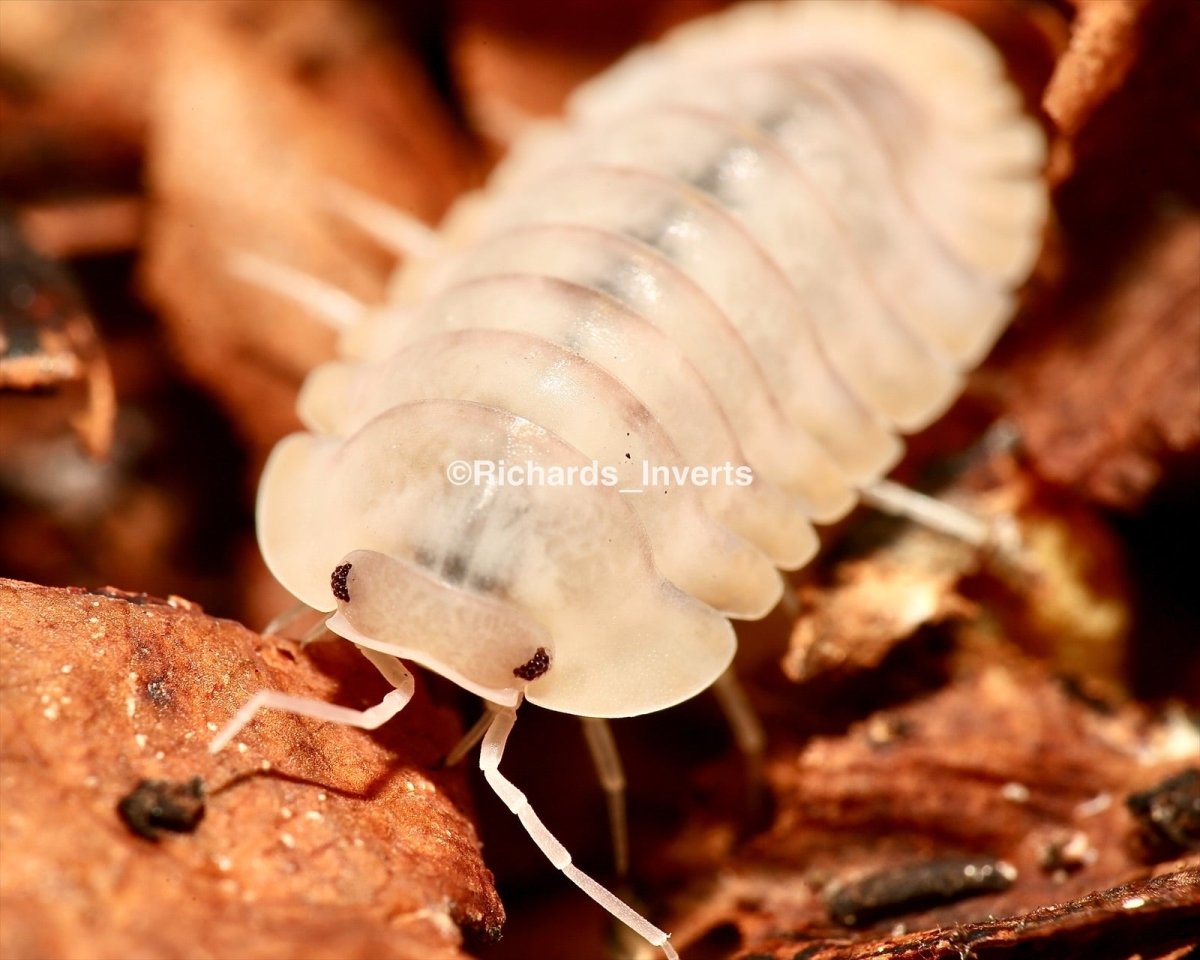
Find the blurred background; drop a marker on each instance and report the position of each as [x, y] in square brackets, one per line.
[141, 142]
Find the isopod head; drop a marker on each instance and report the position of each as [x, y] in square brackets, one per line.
[481, 643]
[551, 591]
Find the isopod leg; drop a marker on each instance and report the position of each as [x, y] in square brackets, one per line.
[789, 605]
[470, 738]
[900, 501]
[399, 232]
[611, 774]
[490, 756]
[747, 734]
[318, 631]
[998, 535]
[332, 305]
[393, 670]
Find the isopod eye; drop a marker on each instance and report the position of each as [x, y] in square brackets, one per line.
[337, 582]
[482, 643]
[534, 667]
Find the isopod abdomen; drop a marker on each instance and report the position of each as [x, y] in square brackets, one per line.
[674, 332]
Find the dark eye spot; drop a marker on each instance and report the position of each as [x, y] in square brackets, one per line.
[337, 581]
[538, 664]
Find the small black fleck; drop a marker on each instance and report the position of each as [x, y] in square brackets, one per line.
[538, 664]
[337, 580]
[628, 457]
[156, 805]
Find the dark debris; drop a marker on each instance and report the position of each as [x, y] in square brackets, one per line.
[1148, 917]
[1169, 814]
[913, 886]
[157, 805]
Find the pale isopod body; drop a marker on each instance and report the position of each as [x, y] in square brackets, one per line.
[774, 241]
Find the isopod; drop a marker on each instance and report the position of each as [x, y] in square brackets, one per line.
[766, 246]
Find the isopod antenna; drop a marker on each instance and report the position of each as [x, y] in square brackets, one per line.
[490, 755]
[370, 719]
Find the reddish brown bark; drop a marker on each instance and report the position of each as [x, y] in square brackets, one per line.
[316, 840]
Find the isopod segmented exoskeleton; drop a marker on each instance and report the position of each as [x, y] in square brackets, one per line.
[765, 246]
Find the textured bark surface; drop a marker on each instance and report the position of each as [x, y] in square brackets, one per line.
[970, 754]
[997, 762]
[315, 841]
[1156, 917]
[1112, 397]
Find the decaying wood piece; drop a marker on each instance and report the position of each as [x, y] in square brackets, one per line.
[1105, 40]
[1110, 399]
[1117, 92]
[1145, 918]
[977, 783]
[906, 820]
[1053, 582]
[49, 344]
[315, 841]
